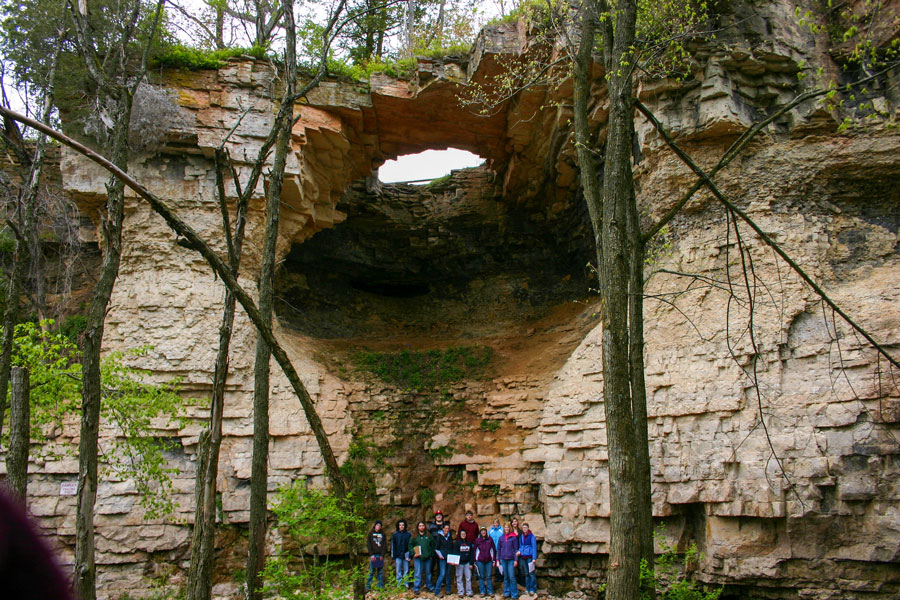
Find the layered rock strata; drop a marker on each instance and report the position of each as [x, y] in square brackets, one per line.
[776, 454]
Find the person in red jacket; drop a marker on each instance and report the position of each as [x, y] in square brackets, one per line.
[469, 526]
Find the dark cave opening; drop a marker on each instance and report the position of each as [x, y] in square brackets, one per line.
[453, 258]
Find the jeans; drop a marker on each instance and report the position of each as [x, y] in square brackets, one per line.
[443, 576]
[510, 587]
[530, 576]
[422, 565]
[464, 579]
[377, 571]
[401, 570]
[485, 578]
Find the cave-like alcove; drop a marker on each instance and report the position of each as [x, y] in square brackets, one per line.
[450, 259]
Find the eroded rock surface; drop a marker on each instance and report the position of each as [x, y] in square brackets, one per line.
[791, 491]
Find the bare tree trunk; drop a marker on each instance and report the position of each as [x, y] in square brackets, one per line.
[204, 534]
[28, 250]
[10, 318]
[410, 24]
[259, 463]
[613, 216]
[19, 432]
[618, 201]
[639, 389]
[85, 568]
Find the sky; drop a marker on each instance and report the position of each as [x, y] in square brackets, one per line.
[428, 165]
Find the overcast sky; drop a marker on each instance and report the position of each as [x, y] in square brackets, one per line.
[430, 164]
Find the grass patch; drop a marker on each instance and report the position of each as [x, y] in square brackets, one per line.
[184, 57]
[422, 370]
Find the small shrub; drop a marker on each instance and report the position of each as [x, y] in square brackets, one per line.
[670, 577]
[441, 453]
[491, 425]
[426, 497]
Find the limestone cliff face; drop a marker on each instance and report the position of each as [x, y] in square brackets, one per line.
[791, 491]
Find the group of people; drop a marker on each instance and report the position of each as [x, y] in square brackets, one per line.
[509, 551]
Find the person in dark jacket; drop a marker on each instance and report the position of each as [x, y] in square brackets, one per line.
[520, 574]
[466, 552]
[400, 553]
[485, 557]
[527, 556]
[421, 547]
[506, 555]
[377, 546]
[437, 526]
[434, 529]
[443, 545]
[470, 527]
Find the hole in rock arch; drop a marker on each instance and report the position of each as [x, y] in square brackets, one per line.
[455, 259]
[426, 166]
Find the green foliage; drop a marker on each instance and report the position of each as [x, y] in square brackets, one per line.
[441, 453]
[421, 370]
[490, 425]
[426, 497]
[357, 472]
[312, 523]
[671, 578]
[179, 56]
[73, 327]
[55, 377]
[131, 404]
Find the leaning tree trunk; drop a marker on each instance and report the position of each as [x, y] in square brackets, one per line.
[204, 534]
[259, 472]
[19, 432]
[111, 223]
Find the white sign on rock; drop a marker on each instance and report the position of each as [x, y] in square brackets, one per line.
[68, 488]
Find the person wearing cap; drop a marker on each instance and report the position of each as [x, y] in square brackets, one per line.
[436, 526]
[377, 545]
[469, 526]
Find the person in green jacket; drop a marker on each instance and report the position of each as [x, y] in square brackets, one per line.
[421, 547]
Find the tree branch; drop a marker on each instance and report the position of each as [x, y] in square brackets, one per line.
[708, 182]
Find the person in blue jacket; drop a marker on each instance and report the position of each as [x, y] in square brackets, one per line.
[495, 533]
[527, 555]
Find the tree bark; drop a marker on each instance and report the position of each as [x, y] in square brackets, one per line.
[204, 534]
[19, 432]
[259, 463]
[613, 215]
[85, 568]
[10, 318]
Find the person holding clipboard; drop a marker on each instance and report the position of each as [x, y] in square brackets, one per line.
[463, 557]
